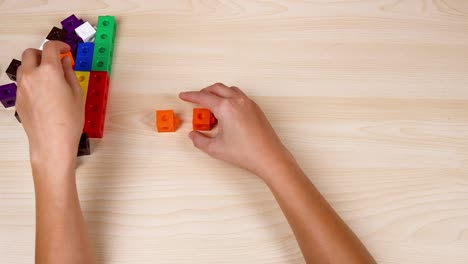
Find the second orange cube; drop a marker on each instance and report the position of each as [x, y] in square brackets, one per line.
[203, 119]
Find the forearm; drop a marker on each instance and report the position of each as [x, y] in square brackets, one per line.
[246, 139]
[61, 235]
[50, 103]
[322, 235]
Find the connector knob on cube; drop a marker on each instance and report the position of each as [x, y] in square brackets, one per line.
[8, 95]
[166, 121]
[203, 119]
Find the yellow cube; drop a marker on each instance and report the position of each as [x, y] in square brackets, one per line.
[83, 79]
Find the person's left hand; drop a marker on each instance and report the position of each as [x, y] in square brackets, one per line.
[50, 104]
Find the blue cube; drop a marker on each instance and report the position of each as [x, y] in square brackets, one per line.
[84, 57]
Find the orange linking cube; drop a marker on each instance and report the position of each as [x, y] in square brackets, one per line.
[203, 119]
[70, 56]
[166, 121]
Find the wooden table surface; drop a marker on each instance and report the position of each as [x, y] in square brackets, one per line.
[370, 96]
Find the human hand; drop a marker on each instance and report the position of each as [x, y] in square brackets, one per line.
[245, 138]
[50, 104]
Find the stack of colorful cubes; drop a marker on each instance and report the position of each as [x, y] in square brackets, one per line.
[92, 49]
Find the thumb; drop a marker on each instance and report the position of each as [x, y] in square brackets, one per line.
[202, 141]
[70, 74]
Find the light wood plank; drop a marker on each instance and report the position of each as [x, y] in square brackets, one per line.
[371, 97]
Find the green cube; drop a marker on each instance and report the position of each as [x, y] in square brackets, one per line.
[104, 44]
[102, 64]
[106, 22]
[103, 50]
[105, 36]
[106, 29]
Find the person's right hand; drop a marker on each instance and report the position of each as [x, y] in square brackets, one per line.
[245, 137]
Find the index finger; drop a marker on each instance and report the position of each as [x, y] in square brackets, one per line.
[52, 50]
[205, 99]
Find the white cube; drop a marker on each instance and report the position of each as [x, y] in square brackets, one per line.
[86, 32]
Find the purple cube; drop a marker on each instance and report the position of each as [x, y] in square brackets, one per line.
[72, 40]
[8, 95]
[70, 23]
[57, 34]
[12, 69]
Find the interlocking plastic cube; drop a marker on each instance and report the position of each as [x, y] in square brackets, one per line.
[84, 148]
[104, 44]
[70, 23]
[70, 57]
[203, 119]
[12, 69]
[8, 95]
[102, 58]
[105, 36]
[84, 57]
[107, 24]
[57, 34]
[96, 104]
[83, 79]
[104, 49]
[166, 121]
[101, 63]
[73, 40]
[86, 32]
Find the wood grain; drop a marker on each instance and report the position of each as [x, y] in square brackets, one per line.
[371, 97]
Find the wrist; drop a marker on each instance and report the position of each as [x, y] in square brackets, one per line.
[52, 164]
[54, 151]
[279, 167]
